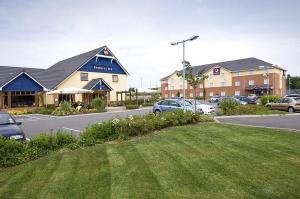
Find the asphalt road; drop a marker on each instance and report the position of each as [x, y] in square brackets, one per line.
[284, 121]
[35, 124]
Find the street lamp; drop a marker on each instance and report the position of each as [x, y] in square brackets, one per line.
[184, 63]
[268, 83]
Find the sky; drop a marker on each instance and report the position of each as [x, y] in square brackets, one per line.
[39, 33]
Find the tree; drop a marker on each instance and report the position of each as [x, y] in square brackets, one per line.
[194, 79]
[295, 81]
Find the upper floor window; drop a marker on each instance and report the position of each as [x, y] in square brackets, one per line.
[266, 81]
[172, 80]
[222, 83]
[166, 88]
[251, 82]
[172, 87]
[251, 72]
[222, 75]
[115, 78]
[201, 86]
[237, 83]
[84, 77]
[211, 84]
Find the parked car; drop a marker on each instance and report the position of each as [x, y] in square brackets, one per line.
[207, 109]
[9, 128]
[253, 96]
[173, 104]
[293, 95]
[214, 99]
[234, 99]
[247, 99]
[289, 104]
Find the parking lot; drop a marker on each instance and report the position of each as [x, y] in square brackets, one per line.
[289, 121]
[35, 124]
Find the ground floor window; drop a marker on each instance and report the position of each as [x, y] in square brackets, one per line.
[191, 94]
[201, 94]
[211, 94]
[223, 93]
[237, 93]
[17, 99]
[66, 97]
[166, 95]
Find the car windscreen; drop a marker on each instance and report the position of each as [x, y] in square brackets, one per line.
[6, 119]
[181, 102]
[297, 99]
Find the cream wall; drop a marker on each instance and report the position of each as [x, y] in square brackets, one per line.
[256, 72]
[217, 80]
[74, 81]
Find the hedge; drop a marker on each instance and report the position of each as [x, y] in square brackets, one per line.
[13, 152]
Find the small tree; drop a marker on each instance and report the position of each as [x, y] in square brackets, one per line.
[194, 79]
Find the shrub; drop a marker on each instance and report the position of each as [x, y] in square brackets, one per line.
[64, 108]
[272, 98]
[132, 106]
[98, 104]
[45, 111]
[11, 152]
[228, 107]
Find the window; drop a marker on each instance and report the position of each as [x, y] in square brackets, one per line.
[173, 95]
[223, 75]
[223, 93]
[201, 86]
[172, 80]
[222, 83]
[211, 84]
[191, 94]
[115, 78]
[172, 87]
[191, 87]
[181, 95]
[266, 81]
[201, 94]
[164, 102]
[211, 94]
[173, 103]
[251, 82]
[166, 88]
[181, 86]
[237, 83]
[166, 95]
[84, 77]
[237, 93]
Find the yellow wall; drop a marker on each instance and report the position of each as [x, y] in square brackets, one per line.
[74, 81]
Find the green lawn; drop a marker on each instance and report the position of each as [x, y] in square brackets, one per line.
[200, 161]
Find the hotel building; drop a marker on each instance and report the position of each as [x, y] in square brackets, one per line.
[238, 77]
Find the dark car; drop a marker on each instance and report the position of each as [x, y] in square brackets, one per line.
[246, 99]
[9, 128]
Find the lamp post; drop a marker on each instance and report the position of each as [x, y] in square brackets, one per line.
[266, 73]
[184, 63]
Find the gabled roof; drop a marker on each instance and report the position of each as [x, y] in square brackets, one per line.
[7, 73]
[246, 64]
[96, 81]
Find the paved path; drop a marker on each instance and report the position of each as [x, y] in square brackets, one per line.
[34, 124]
[291, 121]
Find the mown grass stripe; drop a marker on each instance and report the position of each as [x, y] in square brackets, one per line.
[142, 182]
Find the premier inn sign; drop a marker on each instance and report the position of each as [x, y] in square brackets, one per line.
[216, 71]
[103, 68]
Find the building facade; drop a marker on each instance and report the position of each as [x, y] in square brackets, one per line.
[238, 77]
[97, 73]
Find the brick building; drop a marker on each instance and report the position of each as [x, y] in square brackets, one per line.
[237, 77]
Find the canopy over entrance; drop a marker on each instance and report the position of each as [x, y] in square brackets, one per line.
[70, 90]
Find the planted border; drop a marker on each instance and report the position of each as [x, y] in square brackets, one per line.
[13, 152]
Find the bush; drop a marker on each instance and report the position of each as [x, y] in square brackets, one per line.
[64, 108]
[98, 104]
[132, 106]
[228, 107]
[11, 152]
[272, 98]
[45, 111]
[139, 125]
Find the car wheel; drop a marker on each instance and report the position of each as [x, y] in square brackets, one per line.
[291, 110]
[157, 112]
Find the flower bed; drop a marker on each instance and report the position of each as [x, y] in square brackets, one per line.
[13, 152]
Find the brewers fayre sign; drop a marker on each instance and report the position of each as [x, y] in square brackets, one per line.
[216, 71]
[103, 68]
